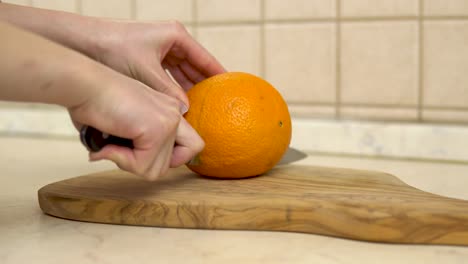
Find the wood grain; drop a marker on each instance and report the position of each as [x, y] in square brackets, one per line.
[363, 205]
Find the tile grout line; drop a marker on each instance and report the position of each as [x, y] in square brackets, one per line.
[361, 105]
[195, 23]
[420, 61]
[338, 60]
[444, 17]
[322, 20]
[262, 40]
[46, 108]
[78, 7]
[383, 106]
[446, 108]
[133, 9]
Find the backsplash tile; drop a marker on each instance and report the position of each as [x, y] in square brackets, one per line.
[446, 63]
[236, 47]
[18, 2]
[22, 105]
[379, 113]
[376, 8]
[379, 60]
[445, 115]
[379, 63]
[294, 45]
[299, 9]
[64, 5]
[445, 7]
[228, 10]
[107, 8]
[164, 10]
[300, 61]
[312, 110]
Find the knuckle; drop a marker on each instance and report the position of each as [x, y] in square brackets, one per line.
[163, 88]
[177, 26]
[173, 103]
[137, 131]
[173, 111]
[169, 119]
[169, 123]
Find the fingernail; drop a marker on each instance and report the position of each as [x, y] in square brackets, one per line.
[183, 108]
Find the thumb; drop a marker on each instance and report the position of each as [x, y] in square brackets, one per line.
[188, 144]
[123, 157]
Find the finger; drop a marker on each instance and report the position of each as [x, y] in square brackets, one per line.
[157, 168]
[191, 72]
[166, 162]
[180, 156]
[188, 144]
[123, 157]
[179, 76]
[184, 70]
[158, 79]
[186, 47]
[160, 161]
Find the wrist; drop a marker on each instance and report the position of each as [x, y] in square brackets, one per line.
[101, 38]
[79, 80]
[85, 35]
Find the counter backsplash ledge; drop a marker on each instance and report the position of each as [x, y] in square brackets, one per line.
[345, 137]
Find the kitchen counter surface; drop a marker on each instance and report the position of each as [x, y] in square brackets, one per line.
[27, 235]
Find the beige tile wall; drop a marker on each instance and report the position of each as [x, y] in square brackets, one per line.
[398, 60]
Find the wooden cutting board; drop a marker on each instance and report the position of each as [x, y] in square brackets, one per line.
[345, 203]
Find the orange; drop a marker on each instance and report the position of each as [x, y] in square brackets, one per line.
[244, 122]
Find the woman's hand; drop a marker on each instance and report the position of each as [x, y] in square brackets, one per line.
[129, 109]
[98, 96]
[144, 51]
[139, 50]
[145, 106]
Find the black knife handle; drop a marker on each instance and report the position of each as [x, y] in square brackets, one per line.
[94, 140]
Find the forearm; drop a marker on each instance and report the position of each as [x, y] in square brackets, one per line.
[68, 29]
[34, 69]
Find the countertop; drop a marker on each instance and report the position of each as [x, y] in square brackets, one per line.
[27, 235]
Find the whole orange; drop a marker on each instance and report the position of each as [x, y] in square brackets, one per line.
[244, 122]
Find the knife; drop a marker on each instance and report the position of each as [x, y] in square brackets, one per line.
[94, 140]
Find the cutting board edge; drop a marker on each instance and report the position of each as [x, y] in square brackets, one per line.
[437, 242]
[46, 195]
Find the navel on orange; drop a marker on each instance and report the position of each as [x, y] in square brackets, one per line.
[244, 122]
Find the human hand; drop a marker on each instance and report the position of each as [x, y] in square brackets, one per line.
[144, 51]
[98, 96]
[162, 138]
[140, 50]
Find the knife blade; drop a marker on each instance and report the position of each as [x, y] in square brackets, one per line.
[94, 140]
[292, 155]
